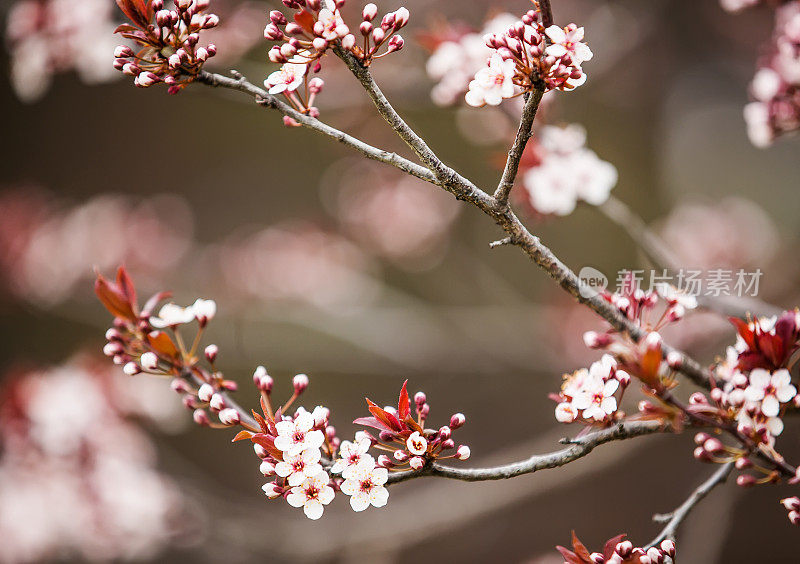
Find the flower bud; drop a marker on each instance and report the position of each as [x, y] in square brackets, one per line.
[217, 403]
[378, 35]
[321, 415]
[262, 380]
[369, 12]
[457, 420]
[444, 433]
[700, 438]
[743, 463]
[624, 548]
[401, 16]
[396, 43]
[698, 398]
[300, 383]
[386, 436]
[668, 546]
[112, 349]
[448, 444]
[200, 417]
[131, 369]
[229, 416]
[272, 490]
[365, 28]
[348, 41]
[417, 462]
[655, 555]
[315, 85]
[267, 468]
[260, 451]
[149, 360]
[205, 392]
[463, 452]
[595, 340]
[180, 386]
[384, 461]
[211, 353]
[745, 480]
[400, 455]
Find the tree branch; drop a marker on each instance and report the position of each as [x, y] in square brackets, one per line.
[675, 518]
[578, 448]
[267, 100]
[518, 148]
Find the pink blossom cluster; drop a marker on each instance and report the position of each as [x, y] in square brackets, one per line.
[77, 477]
[297, 451]
[775, 88]
[753, 381]
[617, 550]
[46, 37]
[455, 59]
[169, 39]
[315, 27]
[589, 396]
[527, 54]
[404, 436]
[566, 172]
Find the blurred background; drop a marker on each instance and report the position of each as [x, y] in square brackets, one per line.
[323, 263]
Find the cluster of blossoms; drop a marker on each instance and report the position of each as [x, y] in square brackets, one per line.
[78, 476]
[315, 27]
[297, 451]
[775, 89]
[754, 384]
[753, 390]
[527, 55]
[455, 59]
[589, 395]
[169, 39]
[405, 437]
[565, 172]
[619, 551]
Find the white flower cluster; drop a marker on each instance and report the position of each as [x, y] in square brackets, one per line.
[589, 394]
[300, 442]
[309, 486]
[172, 315]
[568, 172]
[363, 480]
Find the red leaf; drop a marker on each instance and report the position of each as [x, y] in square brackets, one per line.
[403, 404]
[268, 443]
[384, 416]
[744, 331]
[580, 549]
[126, 287]
[162, 344]
[371, 422]
[569, 556]
[305, 20]
[242, 435]
[113, 299]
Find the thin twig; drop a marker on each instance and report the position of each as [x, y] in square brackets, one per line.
[578, 448]
[675, 518]
[518, 148]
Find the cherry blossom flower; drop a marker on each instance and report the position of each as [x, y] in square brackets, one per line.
[172, 315]
[296, 468]
[770, 389]
[287, 79]
[493, 83]
[331, 25]
[596, 399]
[297, 435]
[350, 455]
[416, 443]
[365, 486]
[313, 494]
[568, 41]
